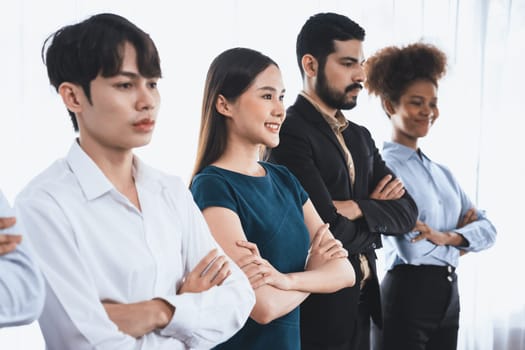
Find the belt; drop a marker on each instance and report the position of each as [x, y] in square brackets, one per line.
[448, 271]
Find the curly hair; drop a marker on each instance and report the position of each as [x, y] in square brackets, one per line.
[392, 69]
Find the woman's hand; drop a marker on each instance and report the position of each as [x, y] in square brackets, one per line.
[259, 271]
[324, 248]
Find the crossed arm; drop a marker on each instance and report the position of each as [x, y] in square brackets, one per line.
[386, 189]
[179, 319]
[139, 319]
[446, 238]
[21, 284]
[327, 269]
[8, 242]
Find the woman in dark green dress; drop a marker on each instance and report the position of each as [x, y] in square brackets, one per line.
[258, 212]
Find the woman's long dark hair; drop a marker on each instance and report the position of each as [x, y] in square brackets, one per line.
[230, 74]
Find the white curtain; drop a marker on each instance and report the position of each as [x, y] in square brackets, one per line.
[477, 135]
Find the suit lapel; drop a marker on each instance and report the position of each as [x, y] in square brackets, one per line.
[313, 116]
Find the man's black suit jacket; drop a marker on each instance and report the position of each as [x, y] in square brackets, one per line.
[310, 149]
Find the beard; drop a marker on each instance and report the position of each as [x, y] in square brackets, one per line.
[333, 98]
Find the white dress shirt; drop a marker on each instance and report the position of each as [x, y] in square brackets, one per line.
[94, 245]
[21, 283]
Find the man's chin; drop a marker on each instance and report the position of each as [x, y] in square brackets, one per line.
[348, 105]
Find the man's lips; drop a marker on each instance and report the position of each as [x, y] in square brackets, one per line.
[144, 124]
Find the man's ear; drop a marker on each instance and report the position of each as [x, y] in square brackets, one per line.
[71, 96]
[223, 106]
[388, 107]
[310, 65]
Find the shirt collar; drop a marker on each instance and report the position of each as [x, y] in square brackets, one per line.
[93, 181]
[337, 122]
[401, 152]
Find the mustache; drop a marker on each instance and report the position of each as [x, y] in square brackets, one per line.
[354, 86]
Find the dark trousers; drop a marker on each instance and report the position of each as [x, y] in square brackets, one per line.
[361, 339]
[420, 309]
[357, 325]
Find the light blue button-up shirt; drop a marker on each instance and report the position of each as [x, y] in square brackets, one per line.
[21, 283]
[441, 203]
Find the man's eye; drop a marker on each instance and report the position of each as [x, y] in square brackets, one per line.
[124, 85]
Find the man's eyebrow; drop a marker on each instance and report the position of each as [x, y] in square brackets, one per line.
[350, 58]
[128, 74]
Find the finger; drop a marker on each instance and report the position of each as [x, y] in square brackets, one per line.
[400, 193]
[256, 277]
[7, 222]
[333, 248]
[264, 280]
[418, 227]
[221, 274]
[248, 260]
[8, 239]
[205, 262]
[394, 190]
[318, 237]
[341, 253]
[338, 252]
[249, 245]
[214, 268]
[255, 270]
[329, 245]
[7, 248]
[418, 238]
[392, 186]
[467, 217]
[472, 215]
[382, 183]
[225, 278]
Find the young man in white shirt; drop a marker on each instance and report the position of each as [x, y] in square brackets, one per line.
[127, 256]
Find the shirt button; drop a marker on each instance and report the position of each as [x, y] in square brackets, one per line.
[449, 278]
[373, 246]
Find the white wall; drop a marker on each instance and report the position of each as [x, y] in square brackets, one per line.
[480, 107]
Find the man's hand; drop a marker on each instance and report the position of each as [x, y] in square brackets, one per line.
[139, 319]
[437, 237]
[388, 189]
[259, 271]
[348, 208]
[8, 242]
[324, 248]
[211, 271]
[470, 216]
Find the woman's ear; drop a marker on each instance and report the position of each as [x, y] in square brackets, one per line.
[310, 65]
[71, 96]
[223, 106]
[388, 107]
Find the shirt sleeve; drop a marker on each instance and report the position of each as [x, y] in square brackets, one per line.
[211, 190]
[21, 283]
[423, 251]
[480, 234]
[73, 315]
[203, 320]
